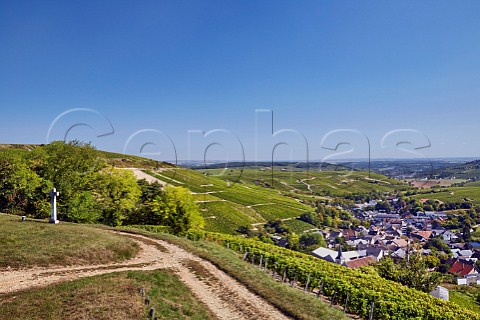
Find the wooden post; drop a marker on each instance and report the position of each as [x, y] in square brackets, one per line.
[346, 304]
[228, 245]
[245, 256]
[253, 258]
[294, 278]
[261, 261]
[334, 296]
[274, 269]
[142, 291]
[306, 286]
[371, 311]
[265, 265]
[284, 274]
[241, 249]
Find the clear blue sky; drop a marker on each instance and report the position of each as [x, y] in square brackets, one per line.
[175, 66]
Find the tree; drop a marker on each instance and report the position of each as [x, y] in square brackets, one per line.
[83, 208]
[118, 193]
[293, 241]
[412, 272]
[312, 239]
[22, 189]
[276, 226]
[176, 208]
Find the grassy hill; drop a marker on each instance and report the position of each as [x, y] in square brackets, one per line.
[232, 198]
[118, 160]
[38, 243]
[227, 205]
[462, 171]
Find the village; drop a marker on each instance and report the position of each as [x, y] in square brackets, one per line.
[398, 235]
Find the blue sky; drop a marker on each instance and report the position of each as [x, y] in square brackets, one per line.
[371, 67]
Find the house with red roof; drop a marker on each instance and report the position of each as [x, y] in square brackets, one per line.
[463, 268]
[360, 262]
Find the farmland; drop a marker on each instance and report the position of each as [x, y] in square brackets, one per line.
[457, 194]
[226, 205]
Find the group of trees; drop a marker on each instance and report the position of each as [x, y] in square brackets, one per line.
[329, 216]
[90, 190]
[412, 271]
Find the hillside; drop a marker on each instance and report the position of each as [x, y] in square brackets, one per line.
[178, 283]
[228, 199]
[468, 170]
[118, 160]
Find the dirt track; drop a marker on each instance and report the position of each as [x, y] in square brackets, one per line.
[224, 296]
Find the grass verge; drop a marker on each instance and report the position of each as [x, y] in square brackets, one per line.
[111, 296]
[38, 243]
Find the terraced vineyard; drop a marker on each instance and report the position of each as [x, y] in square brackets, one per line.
[226, 205]
[334, 183]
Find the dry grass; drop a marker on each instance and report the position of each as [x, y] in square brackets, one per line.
[38, 243]
[112, 296]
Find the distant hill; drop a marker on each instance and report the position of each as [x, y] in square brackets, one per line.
[468, 170]
[118, 160]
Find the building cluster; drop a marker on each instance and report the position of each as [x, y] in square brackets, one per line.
[395, 235]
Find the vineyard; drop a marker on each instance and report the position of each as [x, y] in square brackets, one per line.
[355, 288]
[227, 205]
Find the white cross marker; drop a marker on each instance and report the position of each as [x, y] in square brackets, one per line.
[54, 194]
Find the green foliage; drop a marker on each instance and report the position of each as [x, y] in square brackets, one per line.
[176, 209]
[412, 271]
[118, 193]
[437, 244]
[312, 240]
[21, 187]
[83, 208]
[392, 300]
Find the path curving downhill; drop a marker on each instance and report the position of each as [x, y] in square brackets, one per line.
[223, 295]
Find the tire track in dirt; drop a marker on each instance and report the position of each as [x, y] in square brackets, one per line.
[223, 295]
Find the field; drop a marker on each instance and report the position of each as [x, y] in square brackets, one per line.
[298, 226]
[434, 182]
[314, 182]
[454, 194]
[111, 296]
[227, 205]
[38, 243]
[465, 300]
[232, 198]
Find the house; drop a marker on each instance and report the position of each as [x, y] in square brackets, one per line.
[348, 234]
[325, 254]
[332, 255]
[360, 262]
[377, 253]
[399, 253]
[449, 236]
[463, 268]
[465, 254]
[422, 235]
[441, 293]
[400, 243]
[335, 234]
[474, 245]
